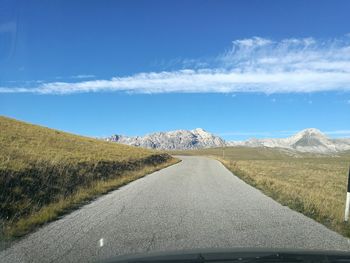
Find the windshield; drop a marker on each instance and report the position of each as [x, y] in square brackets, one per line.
[131, 127]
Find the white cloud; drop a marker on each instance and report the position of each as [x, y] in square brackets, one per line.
[259, 133]
[281, 134]
[251, 65]
[83, 76]
[251, 42]
[338, 133]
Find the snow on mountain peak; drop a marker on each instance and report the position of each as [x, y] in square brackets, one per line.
[310, 132]
[199, 130]
[202, 133]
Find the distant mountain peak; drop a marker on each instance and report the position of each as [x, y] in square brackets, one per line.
[202, 133]
[199, 130]
[307, 140]
[310, 132]
[173, 140]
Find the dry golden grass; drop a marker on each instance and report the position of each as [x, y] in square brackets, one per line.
[53, 210]
[313, 185]
[45, 172]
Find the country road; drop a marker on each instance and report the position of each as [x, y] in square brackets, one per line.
[197, 203]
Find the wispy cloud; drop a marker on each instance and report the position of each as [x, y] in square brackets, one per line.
[83, 76]
[251, 65]
[8, 27]
[259, 133]
[281, 134]
[338, 133]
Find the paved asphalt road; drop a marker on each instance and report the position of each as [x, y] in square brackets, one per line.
[197, 203]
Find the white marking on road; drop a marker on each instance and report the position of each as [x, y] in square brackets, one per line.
[101, 242]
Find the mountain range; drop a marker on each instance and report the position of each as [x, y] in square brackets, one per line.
[308, 140]
[173, 140]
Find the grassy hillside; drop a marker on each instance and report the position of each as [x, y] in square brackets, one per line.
[45, 172]
[311, 184]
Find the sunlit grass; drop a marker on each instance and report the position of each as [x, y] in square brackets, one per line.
[45, 172]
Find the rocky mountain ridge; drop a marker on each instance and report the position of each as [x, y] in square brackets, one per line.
[308, 140]
[173, 140]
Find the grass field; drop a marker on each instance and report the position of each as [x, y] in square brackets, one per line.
[45, 173]
[313, 185]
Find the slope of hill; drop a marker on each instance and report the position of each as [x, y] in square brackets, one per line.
[172, 140]
[44, 172]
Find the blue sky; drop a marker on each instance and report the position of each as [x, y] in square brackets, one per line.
[240, 69]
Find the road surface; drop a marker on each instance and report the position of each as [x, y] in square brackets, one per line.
[197, 203]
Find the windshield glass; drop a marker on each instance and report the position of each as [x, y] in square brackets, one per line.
[131, 127]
